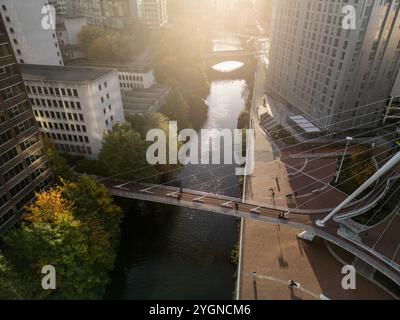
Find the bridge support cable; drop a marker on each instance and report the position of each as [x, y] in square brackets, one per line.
[327, 184]
[200, 199]
[386, 229]
[366, 224]
[382, 171]
[150, 166]
[328, 165]
[256, 210]
[326, 191]
[313, 150]
[343, 121]
[346, 120]
[176, 169]
[148, 190]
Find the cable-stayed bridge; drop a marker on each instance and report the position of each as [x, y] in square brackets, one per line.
[335, 230]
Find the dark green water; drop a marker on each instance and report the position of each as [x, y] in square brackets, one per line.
[176, 253]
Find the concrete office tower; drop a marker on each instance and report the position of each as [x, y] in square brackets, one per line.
[61, 6]
[32, 43]
[329, 73]
[74, 106]
[392, 114]
[117, 14]
[153, 13]
[23, 166]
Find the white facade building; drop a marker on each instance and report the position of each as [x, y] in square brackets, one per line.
[153, 13]
[32, 44]
[114, 14]
[338, 78]
[61, 6]
[132, 79]
[68, 29]
[74, 106]
[131, 76]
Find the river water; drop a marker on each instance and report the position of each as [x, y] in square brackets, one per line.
[176, 253]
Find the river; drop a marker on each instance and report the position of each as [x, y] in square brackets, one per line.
[176, 253]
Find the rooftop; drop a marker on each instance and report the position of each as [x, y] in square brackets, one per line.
[305, 124]
[60, 73]
[134, 67]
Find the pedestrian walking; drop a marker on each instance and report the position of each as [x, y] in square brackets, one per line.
[237, 206]
[293, 284]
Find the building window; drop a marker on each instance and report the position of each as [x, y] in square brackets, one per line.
[11, 92]
[5, 50]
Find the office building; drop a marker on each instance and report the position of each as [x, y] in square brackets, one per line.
[113, 14]
[31, 41]
[336, 77]
[153, 13]
[74, 106]
[24, 169]
[61, 6]
[68, 29]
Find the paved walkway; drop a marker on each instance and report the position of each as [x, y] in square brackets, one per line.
[274, 252]
[277, 256]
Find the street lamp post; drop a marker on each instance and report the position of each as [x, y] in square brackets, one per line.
[348, 140]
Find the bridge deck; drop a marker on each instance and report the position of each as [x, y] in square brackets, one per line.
[226, 205]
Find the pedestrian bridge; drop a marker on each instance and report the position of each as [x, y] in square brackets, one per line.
[304, 221]
[229, 55]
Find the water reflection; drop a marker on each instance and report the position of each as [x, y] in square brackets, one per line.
[176, 253]
[227, 43]
[228, 66]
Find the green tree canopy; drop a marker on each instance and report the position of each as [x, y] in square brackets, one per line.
[124, 152]
[88, 35]
[73, 227]
[176, 109]
[59, 164]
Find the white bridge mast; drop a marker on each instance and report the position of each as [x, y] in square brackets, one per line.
[389, 165]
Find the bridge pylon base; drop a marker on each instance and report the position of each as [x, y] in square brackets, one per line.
[306, 235]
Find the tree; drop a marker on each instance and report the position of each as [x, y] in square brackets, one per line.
[123, 47]
[178, 60]
[101, 49]
[88, 35]
[144, 123]
[75, 228]
[176, 109]
[11, 287]
[166, 69]
[124, 152]
[59, 164]
[198, 110]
